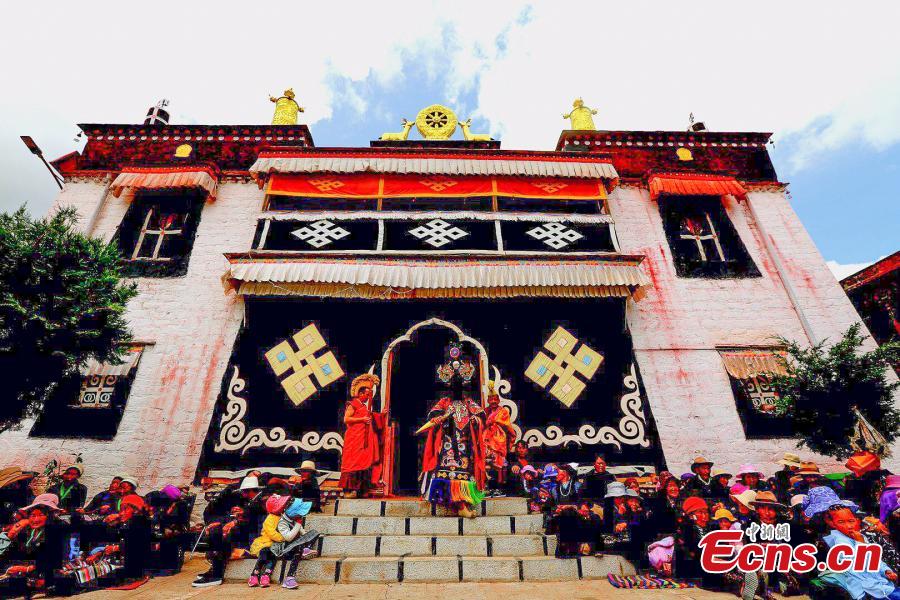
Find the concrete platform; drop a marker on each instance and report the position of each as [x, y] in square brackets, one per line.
[340, 546]
[444, 569]
[372, 525]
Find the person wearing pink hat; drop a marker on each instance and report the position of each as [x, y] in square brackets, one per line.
[261, 546]
[752, 477]
[37, 549]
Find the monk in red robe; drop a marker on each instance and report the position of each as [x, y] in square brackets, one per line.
[362, 443]
[499, 437]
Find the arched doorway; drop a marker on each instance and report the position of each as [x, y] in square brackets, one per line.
[411, 388]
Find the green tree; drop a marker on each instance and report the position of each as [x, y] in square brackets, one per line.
[62, 302]
[823, 385]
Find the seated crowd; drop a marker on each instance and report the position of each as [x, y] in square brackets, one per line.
[61, 542]
[659, 526]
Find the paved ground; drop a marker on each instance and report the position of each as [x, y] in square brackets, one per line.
[179, 586]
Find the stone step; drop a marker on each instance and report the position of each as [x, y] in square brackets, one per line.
[490, 507]
[445, 569]
[347, 525]
[423, 545]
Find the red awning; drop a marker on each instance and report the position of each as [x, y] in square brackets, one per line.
[694, 184]
[326, 185]
[160, 178]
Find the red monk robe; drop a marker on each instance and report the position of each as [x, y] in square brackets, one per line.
[362, 445]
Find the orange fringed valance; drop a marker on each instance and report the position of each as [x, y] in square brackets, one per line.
[745, 364]
[403, 186]
[694, 184]
[161, 178]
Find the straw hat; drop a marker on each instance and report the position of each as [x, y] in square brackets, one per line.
[720, 472]
[306, 465]
[745, 498]
[11, 475]
[724, 513]
[700, 461]
[809, 468]
[766, 499]
[790, 460]
[797, 500]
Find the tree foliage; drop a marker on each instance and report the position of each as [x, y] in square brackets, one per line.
[823, 385]
[62, 302]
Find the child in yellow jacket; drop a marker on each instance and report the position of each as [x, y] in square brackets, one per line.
[261, 546]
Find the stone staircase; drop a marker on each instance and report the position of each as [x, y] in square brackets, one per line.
[367, 541]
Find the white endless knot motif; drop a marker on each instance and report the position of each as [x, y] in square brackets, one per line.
[320, 233]
[555, 235]
[438, 232]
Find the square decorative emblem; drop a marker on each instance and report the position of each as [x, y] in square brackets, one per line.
[320, 233]
[303, 364]
[555, 235]
[438, 232]
[562, 362]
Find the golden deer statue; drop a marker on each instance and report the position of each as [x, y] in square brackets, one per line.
[474, 137]
[400, 135]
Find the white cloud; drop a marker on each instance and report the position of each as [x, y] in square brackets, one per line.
[823, 73]
[842, 270]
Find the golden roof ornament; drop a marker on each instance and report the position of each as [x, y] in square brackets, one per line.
[474, 137]
[400, 135]
[436, 122]
[581, 116]
[286, 108]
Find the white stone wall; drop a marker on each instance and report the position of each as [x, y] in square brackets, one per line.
[678, 325]
[191, 323]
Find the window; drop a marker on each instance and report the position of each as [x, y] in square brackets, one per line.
[703, 241]
[157, 233]
[301, 203]
[477, 203]
[550, 205]
[90, 404]
[750, 372]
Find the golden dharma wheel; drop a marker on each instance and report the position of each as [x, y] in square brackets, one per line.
[436, 122]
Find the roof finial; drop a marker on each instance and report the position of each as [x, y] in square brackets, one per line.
[580, 116]
[286, 108]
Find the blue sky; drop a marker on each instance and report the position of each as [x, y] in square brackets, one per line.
[824, 76]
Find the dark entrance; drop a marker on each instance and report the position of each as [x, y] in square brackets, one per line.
[415, 388]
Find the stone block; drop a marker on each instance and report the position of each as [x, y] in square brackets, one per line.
[317, 570]
[490, 569]
[517, 545]
[380, 526]
[529, 524]
[369, 569]
[349, 545]
[430, 569]
[487, 526]
[407, 508]
[598, 567]
[434, 526]
[505, 507]
[548, 568]
[461, 545]
[330, 525]
[359, 507]
[406, 545]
